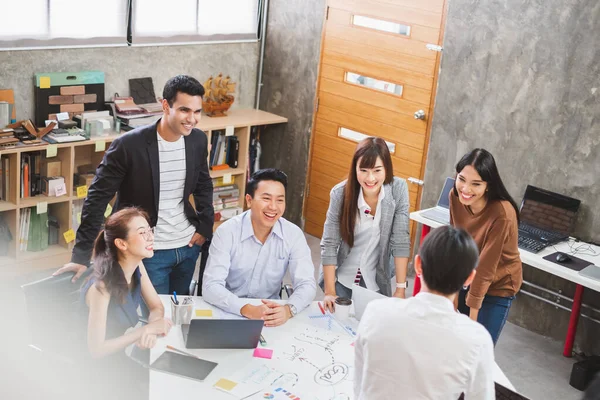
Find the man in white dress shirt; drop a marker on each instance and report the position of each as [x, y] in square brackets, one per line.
[250, 254]
[421, 348]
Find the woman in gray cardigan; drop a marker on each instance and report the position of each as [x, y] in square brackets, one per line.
[365, 237]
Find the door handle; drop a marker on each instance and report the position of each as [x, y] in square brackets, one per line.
[416, 181]
[420, 115]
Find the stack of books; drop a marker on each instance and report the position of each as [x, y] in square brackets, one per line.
[4, 178]
[224, 150]
[31, 177]
[226, 202]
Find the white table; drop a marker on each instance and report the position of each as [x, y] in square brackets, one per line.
[537, 261]
[163, 386]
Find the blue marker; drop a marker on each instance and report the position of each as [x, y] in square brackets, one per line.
[175, 298]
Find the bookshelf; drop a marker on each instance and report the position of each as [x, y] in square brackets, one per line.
[71, 156]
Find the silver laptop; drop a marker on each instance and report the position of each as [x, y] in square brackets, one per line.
[441, 212]
[361, 297]
[591, 271]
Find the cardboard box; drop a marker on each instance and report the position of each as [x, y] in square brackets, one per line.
[52, 168]
[86, 179]
[49, 185]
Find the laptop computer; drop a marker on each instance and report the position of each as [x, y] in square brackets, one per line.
[222, 333]
[503, 393]
[591, 271]
[361, 297]
[441, 212]
[546, 218]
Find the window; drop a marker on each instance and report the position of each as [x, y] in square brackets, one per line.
[358, 136]
[55, 23]
[381, 25]
[194, 21]
[68, 23]
[373, 83]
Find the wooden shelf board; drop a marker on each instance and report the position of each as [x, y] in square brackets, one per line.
[7, 206]
[33, 201]
[53, 250]
[239, 119]
[232, 171]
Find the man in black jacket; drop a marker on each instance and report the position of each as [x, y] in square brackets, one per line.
[157, 167]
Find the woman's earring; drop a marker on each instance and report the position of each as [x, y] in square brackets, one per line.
[465, 287]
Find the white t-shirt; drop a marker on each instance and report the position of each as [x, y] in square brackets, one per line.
[421, 348]
[365, 252]
[173, 229]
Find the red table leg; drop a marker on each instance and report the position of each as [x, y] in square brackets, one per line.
[424, 231]
[575, 311]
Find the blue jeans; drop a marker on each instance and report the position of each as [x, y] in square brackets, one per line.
[341, 290]
[493, 313]
[172, 270]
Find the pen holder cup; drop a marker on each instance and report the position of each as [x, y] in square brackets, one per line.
[182, 313]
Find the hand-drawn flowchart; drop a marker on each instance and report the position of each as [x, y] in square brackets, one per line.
[313, 364]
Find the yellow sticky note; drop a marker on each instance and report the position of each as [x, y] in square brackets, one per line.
[69, 236]
[100, 145]
[226, 179]
[51, 150]
[79, 218]
[42, 207]
[203, 313]
[108, 211]
[81, 192]
[44, 82]
[225, 384]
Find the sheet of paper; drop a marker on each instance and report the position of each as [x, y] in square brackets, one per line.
[204, 313]
[63, 116]
[263, 353]
[229, 131]
[100, 145]
[69, 236]
[225, 384]
[44, 82]
[82, 192]
[79, 218]
[61, 190]
[51, 151]
[226, 179]
[42, 207]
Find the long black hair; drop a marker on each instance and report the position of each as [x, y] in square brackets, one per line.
[485, 165]
[106, 253]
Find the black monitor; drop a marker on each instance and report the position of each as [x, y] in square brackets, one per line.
[548, 210]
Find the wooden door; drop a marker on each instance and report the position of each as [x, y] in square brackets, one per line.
[378, 73]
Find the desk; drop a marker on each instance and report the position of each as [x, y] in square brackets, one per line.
[163, 386]
[537, 261]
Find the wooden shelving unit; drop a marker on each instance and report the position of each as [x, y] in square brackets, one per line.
[75, 154]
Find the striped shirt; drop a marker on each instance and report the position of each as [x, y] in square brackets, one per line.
[173, 230]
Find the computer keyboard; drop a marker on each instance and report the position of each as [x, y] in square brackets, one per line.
[549, 236]
[531, 245]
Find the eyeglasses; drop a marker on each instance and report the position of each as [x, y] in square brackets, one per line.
[148, 234]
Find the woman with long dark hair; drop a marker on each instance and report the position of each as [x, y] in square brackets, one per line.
[119, 283]
[482, 206]
[365, 237]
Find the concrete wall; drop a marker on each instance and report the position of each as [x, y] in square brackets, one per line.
[290, 79]
[119, 64]
[522, 79]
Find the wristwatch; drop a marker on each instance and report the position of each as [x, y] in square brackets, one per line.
[403, 285]
[292, 310]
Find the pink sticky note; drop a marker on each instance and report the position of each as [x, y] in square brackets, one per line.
[263, 353]
[352, 344]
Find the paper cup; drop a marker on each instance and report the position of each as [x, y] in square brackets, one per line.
[342, 308]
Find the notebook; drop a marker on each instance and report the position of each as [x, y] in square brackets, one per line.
[441, 212]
